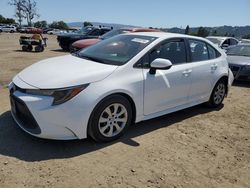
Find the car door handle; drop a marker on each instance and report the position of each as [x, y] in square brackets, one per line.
[187, 72]
[214, 66]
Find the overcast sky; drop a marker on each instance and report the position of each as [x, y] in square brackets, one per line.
[158, 13]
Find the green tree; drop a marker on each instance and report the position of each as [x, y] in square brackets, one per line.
[40, 24]
[202, 32]
[59, 25]
[19, 12]
[2, 19]
[187, 30]
[246, 36]
[7, 20]
[86, 24]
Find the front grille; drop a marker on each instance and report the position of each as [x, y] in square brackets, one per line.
[23, 115]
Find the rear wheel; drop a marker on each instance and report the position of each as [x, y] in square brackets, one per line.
[39, 48]
[29, 48]
[24, 48]
[110, 119]
[218, 94]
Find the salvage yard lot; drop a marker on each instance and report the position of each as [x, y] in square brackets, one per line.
[196, 147]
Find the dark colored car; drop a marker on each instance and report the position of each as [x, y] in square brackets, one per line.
[81, 44]
[65, 40]
[239, 61]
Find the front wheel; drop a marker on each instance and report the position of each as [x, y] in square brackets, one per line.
[110, 119]
[218, 94]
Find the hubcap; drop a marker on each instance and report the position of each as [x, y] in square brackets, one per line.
[219, 93]
[113, 120]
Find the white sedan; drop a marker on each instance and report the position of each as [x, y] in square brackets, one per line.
[56, 32]
[102, 90]
[10, 29]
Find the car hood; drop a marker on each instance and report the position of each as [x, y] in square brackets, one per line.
[85, 43]
[64, 71]
[238, 60]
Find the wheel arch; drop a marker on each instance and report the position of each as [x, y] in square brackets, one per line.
[225, 79]
[123, 94]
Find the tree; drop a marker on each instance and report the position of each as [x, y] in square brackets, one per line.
[41, 24]
[187, 30]
[30, 10]
[6, 20]
[86, 24]
[246, 36]
[19, 12]
[202, 32]
[59, 25]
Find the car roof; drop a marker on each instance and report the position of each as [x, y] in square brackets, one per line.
[221, 38]
[165, 35]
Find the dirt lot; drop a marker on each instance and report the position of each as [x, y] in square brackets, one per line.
[196, 147]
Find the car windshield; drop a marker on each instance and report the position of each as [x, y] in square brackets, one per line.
[117, 50]
[215, 40]
[85, 30]
[240, 50]
[113, 33]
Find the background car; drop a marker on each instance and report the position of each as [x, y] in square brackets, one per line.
[30, 30]
[65, 40]
[10, 29]
[223, 42]
[245, 41]
[56, 32]
[101, 90]
[239, 61]
[81, 44]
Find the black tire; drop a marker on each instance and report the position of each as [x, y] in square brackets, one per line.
[24, 48]
[94, 125]
[39, 48]
[65, 48]
[218, 94]
[29, 48]
[12, 31]
[1, 31]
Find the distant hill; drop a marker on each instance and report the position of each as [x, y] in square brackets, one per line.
[237, 31]
[116, 26]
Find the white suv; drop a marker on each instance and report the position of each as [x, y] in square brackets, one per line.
[10, 29]
[128, 78]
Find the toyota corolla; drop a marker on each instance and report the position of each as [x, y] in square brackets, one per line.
[101, 90]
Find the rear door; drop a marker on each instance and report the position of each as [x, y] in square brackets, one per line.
[204, 65]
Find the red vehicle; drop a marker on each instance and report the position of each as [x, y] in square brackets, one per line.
[81, 44]
[30, 30]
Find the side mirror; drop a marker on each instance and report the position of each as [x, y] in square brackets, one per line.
[224, 46]
[161, 64]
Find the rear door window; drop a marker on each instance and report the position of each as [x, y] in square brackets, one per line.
[199, 51]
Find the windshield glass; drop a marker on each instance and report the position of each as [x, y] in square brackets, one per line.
[241, 50]
[215, 40]
[85, 30]
[117, 50]
[113, 33]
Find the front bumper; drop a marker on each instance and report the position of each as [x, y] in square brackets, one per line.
[240, 72]
[36, 116]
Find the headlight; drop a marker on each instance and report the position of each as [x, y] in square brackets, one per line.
[60, 95]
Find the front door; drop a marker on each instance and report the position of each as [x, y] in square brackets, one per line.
[167, 88]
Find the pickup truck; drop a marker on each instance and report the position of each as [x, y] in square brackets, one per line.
[65, 40]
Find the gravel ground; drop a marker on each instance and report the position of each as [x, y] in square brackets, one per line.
[196, 147]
